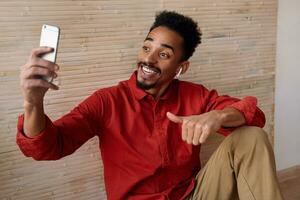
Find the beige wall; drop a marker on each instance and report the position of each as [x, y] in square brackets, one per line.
[98, 46]
[287, 107]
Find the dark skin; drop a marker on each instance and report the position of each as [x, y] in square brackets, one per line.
[161, 53]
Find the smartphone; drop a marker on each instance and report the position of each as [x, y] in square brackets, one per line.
[49, 38]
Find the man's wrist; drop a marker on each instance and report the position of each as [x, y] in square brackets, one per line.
[222, 116]
[33, 111]
[231, 117]
[30, 106]
[34, 119]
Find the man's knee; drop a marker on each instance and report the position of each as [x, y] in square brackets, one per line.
[250, 135]
[253, 131]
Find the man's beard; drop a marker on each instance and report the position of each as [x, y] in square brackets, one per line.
[145, 86]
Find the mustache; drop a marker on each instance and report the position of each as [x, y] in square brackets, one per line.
[149, 65]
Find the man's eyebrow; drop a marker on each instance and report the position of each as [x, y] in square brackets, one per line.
[149, 39]
[168, 46]
[163, 45]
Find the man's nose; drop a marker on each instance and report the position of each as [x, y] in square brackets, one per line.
[151, 57]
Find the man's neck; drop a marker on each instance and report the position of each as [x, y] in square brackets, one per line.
[158, 92]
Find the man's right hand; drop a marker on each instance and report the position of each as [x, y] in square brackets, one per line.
[34, 88]
[33, 85]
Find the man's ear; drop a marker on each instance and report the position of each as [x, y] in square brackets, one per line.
[185, 66]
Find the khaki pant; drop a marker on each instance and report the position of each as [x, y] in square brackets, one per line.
[243, 167]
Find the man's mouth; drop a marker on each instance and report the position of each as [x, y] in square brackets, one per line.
[149, 70]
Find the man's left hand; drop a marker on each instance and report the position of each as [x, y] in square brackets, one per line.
[197, 128]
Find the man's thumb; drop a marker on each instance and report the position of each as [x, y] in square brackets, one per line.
[174, 118]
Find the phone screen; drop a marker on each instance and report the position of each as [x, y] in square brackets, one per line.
[49, 38]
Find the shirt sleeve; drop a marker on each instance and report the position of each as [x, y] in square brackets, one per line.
[63, 136]
[247, 106]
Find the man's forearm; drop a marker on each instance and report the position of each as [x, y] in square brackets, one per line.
[231, 117]
[34, 119]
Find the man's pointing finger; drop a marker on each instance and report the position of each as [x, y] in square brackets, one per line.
[174, 118]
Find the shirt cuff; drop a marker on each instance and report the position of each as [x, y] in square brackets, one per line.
[247, 106]
[32, 146]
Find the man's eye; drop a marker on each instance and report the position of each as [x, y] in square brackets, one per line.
[146, 48]
[164, 55]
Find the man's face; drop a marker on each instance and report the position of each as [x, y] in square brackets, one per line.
[159, 59]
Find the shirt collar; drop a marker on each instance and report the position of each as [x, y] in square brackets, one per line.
[140, 93]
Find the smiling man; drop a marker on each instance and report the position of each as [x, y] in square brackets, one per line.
[151, 126]
[159, 60]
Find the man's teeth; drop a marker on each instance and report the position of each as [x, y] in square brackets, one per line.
[147, 70]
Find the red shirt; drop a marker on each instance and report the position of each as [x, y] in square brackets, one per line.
[143, 154]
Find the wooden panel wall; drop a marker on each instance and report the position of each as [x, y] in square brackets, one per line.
[98, 48]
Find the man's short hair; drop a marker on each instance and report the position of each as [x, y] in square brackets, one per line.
[185, 26]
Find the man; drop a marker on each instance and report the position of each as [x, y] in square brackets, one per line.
[151, 126]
